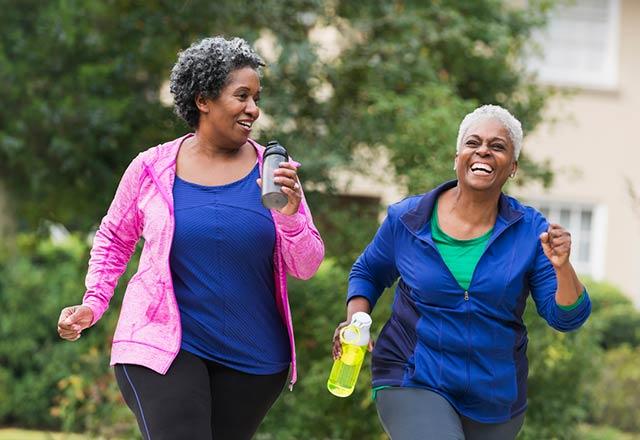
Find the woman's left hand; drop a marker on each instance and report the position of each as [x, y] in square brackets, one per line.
[556, 244]
[287, 176]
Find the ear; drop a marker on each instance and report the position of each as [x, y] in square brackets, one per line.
[455, 162]
[514, 168]
[202, 103]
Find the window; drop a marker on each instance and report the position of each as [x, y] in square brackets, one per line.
[586, 223]
[579, 45]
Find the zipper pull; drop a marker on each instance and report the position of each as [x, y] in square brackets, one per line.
[466, 295]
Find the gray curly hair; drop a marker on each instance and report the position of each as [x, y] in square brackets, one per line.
[489, 111]
[204, 69]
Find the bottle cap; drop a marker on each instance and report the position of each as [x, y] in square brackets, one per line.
[361, 320]
[274, 147]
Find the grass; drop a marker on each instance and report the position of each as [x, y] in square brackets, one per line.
[24, 434]
[589, 432]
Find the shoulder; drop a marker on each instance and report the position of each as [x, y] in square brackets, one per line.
[530, 215]
[161, 155]
[398, 209]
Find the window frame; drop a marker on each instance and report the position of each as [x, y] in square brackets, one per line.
[595, 265]
[606, 79]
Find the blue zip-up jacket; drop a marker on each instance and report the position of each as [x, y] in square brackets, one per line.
[468, 346]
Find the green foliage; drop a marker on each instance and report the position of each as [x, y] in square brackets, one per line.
[347, 224]
[614, 314]
[84, 89]
[417, 67]
[45, 381]
[617, 401]
[561, 368]
[589, 432]
[86, 80]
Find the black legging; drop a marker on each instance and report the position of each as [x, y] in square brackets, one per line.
[198, 399]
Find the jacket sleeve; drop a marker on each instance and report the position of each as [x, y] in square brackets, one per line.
[302, 246]
[114, 242]
[375, 269]
[543, 284]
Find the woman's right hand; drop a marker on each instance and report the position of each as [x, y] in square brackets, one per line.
[73, 320]
[336, 352]
[355, 304]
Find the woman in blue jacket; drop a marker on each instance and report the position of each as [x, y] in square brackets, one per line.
[451, 360]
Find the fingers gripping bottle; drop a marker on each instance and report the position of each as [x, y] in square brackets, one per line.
[272, 196]
[354, 339]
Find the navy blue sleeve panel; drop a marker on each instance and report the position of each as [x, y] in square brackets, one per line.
[375, 269]
[544, 284]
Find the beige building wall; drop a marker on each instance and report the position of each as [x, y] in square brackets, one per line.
[594, 148]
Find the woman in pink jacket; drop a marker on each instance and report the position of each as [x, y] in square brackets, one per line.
[204, 343]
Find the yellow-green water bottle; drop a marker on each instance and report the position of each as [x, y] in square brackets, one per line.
[354, 339]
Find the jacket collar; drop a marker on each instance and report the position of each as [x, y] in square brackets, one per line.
[160, 164]
[164, 156]
[418, 219]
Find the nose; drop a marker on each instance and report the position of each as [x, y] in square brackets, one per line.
[252, 108]
[483, 150]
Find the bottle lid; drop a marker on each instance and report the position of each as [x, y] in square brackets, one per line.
[361, 320]
[274, 147]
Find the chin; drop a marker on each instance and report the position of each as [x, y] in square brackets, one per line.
[481, 184]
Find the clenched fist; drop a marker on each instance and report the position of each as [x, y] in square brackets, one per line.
[556, 244]
[73, 320]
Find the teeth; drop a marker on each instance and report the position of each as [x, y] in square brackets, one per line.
[481, 167]
[244, 124]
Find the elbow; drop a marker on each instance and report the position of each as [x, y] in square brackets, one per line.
[306, 265]
[564, 323]
[313, 264]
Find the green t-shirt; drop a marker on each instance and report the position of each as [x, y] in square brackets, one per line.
[460, 256]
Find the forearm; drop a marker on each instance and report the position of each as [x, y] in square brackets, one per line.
[302, 246]
[569, 286]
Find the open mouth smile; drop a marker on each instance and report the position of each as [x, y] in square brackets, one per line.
[481, 169]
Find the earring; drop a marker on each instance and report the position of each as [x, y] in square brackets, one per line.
[512, 175]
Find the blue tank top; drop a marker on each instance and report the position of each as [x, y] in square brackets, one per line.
[222, 268]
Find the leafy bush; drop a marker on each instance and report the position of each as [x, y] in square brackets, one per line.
[616, 394]
[47, 382]
[615, 316]
[561, 368]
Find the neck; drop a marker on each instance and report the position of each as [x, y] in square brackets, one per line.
[475, 207]
[207, 146]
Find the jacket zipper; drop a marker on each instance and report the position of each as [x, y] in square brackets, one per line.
[468, 363]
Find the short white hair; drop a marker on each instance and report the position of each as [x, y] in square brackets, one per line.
[502, 115]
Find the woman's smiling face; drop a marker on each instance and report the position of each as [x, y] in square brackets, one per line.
[231, 115]
[486, 157]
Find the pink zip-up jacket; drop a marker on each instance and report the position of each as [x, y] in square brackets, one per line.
[149, 331]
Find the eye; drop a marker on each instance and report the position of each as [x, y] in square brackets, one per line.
[472, 143]
[498, 147]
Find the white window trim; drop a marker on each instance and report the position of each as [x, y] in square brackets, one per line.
[599, 219]
[608, 81]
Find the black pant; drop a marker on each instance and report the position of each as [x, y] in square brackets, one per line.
[198, 399]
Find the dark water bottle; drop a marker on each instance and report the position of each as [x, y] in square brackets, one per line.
[272, 195]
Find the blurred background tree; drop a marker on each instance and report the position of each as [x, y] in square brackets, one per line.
[83, 87]
[84, 82]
